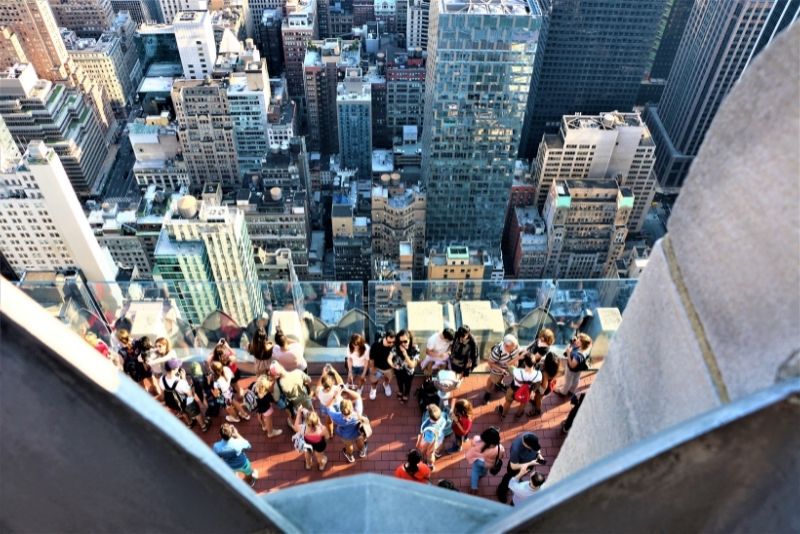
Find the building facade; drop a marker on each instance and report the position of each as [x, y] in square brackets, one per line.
[195, 38]
[398, 223]
[299, 26]
[206, 131]
[587, 67]
[405, 92]
[586, 223]
[599, 147]
[719, 41]
[42, 225]
[87, 18]
[354, 113]
[480, 62]
[35, 109]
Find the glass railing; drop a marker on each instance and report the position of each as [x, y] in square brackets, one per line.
[321, 316]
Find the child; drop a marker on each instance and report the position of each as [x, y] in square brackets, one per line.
[462, 423]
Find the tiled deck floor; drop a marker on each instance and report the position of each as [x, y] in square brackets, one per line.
[395, 428]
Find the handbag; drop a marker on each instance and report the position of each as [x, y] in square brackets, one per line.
[299, 440]
[523, 393]
[498, 463]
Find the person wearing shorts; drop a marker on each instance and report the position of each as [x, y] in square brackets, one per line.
[357, 361]
[437, 351]
[502, 356]
[379, 366]
[231, 449]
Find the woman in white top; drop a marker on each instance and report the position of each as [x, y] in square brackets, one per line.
[223, 388]
[526, 375]
[289, 355]
[357, 361]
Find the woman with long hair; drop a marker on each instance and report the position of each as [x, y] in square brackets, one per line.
[347, 422]
[223, 388]
[328, 393]
[288, 354]
[357, 361]
[316, 437]
[263, 390]
[485, 450]
[404, 358]
[463, 352]
[260, 348]
[526, 377]
[414, 469]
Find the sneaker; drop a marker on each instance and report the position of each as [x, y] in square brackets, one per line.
[363, 452]
[387, 388]
[275, 432]
[230, 419]
[349, 457]
[373, 392]
[360, 390]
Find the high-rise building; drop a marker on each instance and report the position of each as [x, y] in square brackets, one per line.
[256, 9]
[667, 41]
[323, 67]
[480, 62]
[282, 113]
[610, 146]
[352, 241]
[87, 18]
[269, 40]
[398, 219]
[354, 113]
[386, 15]
[527, 240]
[115, 229]
[11, 50]
[158, 45]
[195, 37]
[42, 225]
[139, 10]
[405, 91]
[124, 27]
[417, 22]
[718, 42]
[381, 136]
[170, 8]
[158, 155]
[586, 223]
[587, 67]
[103, 61]
[229, 21]
[299, 26]
[35, 109]
[248, 98]
[206, 131]
[205, 250]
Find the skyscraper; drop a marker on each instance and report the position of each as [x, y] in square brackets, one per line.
[324, 60]
[480, 61]
[609, 146]
[417, 23]
[42, 225]
[719, 40]
[299, 26]
[195, 38]
[354, 112]
[595, 56]
[586, 223]
[206, 131]
[36, 110]
[87, 18]
[170, 8]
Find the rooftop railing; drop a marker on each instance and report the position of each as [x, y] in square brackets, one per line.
[322, 316]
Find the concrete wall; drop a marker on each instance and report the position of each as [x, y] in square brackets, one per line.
[85, 449]
[714, 317]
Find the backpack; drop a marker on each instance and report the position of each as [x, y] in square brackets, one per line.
[250, 398]
[365, 427]
[129, 362]
[172, 398]
[427, 394]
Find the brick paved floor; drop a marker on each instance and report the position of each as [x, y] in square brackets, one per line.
[395, 428]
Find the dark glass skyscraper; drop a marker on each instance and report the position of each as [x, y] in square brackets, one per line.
[719, 41]
[595, 56]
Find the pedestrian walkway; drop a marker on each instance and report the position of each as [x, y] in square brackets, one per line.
[395, 428]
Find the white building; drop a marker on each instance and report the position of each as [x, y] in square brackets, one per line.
[42, 225]
[417, 18]
[158, 155]
[608, 146]
[170, 8]
[195, 37]
[215, 247]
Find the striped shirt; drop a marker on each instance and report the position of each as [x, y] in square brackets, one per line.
[501, 358]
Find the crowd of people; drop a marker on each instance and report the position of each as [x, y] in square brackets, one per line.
[332, 408]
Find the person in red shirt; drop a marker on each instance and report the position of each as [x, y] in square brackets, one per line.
[414, 470]
[462, 423]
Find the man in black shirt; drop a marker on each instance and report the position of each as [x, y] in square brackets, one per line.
[379, 367]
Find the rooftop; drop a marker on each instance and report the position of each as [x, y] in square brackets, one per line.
[493, 7]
